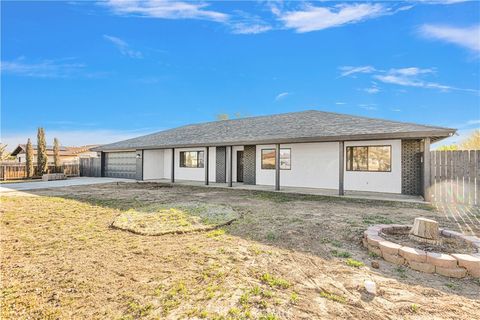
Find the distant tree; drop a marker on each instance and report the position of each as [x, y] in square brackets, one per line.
[56, 154]
[472, 142]
[42, 157]
[226, 116]
[449, 147]
[29, 159]
[4, 155]
[222, 116]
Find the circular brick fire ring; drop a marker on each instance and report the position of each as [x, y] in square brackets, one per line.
[449, 265]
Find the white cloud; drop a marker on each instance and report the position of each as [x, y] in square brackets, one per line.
[468, 37]
[411, 71]
[165, 9]
[473, 122]
[369, 107]
[446, 2]
[349, 70]
[123, 47]
[408, 77]
[340, 103]
[239, 22]
[72, 137]
[43, 69]
[246, 23]
[246, 28]
[281, 96]
[312, 18]
[373, 89]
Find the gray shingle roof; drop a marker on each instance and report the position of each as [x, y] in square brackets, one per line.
[280, 128]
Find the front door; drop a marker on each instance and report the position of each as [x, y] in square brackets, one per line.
[239, 166]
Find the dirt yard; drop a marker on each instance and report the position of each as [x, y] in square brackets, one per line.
[286, 257]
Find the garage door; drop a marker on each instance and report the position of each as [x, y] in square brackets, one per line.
[120, 165]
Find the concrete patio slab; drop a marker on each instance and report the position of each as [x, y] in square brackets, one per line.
[301, 190]
[77, 181]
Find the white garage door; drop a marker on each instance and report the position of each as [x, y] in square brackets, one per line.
[120, 165]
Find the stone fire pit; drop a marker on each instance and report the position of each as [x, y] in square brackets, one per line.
[425, 247]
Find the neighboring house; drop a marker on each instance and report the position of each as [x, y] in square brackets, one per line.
[311, 149]
[67, 154]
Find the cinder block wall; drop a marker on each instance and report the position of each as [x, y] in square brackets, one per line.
[411, 167]
[221, 165]
[249, 164]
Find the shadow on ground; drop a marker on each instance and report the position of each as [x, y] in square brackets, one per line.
[306, 241]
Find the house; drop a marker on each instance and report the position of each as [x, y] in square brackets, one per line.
[311, 149]
[67, 154]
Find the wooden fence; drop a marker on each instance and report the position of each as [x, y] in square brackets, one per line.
[90, 167]
[18, 171]
[455, 176]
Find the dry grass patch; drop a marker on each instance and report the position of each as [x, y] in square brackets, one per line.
[61, 260]
[174, 218]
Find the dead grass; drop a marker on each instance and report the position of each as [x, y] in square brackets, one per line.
[156, 220]
[60, 259]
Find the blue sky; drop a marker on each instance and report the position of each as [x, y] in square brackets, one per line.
[96, 72]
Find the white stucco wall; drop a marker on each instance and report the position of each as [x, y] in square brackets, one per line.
[194, 174]
[377, 181]
[313, 165]
[212, 164]
[167, 163]
[153, 166]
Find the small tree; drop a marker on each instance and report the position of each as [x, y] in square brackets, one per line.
[472, 142]
[449, 147]
[42, 157]
[222, 116]
[4, 154]
[29, 159]
[56, 154]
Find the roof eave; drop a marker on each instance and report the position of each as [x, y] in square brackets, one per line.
[435, 134]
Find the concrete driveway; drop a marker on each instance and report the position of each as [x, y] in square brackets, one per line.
[77, 181]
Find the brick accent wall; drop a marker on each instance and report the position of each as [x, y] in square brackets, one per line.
[221, 165]
[411, 167]
[249, 164]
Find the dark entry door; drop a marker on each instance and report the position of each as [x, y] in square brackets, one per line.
[239, 166]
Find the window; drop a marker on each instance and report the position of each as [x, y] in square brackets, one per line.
[191, 159]
[268, 159]
[369, 158]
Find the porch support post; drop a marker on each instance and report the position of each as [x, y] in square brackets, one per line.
[230, 165]
[102, 164]
[139, 165]
[341, 170]
[173, 165]
[277, 167]
[426, 169]
[206, 164]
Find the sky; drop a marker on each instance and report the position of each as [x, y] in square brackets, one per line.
[97, 72]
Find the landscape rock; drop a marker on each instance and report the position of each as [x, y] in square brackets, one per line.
[451, 272]
[470, 262]
[441, 260]
[412, 254]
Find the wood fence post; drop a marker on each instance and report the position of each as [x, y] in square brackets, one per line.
[426, 169]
